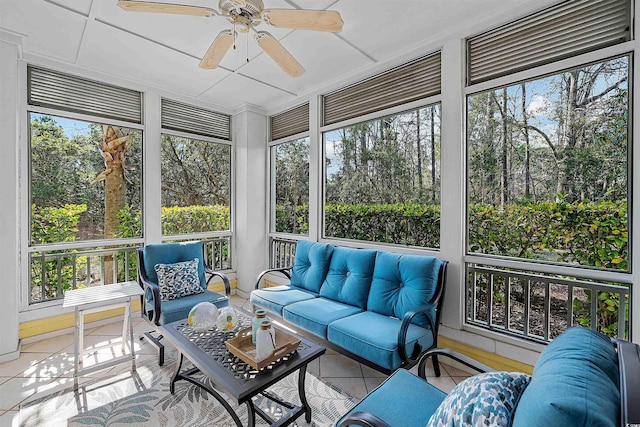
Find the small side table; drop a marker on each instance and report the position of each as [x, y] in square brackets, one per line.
[95, 299]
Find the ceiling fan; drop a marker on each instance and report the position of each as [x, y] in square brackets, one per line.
[245, 15]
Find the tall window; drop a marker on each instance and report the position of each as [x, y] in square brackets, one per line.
[196, 185]
[383, 179]
[547, 163]
[85, 185]
[290, 214]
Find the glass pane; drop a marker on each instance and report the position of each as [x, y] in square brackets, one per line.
[547, 168]
[85, 180]
[383, 180]
[292, 186]
[196, 185]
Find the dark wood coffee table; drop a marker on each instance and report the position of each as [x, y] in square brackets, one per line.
[238, 380]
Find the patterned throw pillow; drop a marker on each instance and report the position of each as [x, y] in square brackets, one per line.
[178, 280]
[487, 399]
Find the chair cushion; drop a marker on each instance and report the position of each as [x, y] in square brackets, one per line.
[349, 277]
[402, 283]
[310, 265]
[170, 253]
[178, 280]
[178, 309]
[403, 399]
[487, 399]
[316, 314]
[274, 299]
[574, 383]
[375, 337]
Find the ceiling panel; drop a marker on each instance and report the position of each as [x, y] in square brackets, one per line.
[51, 31]
[81, 6]
[110, 50]
[237, 90]
[323, 55]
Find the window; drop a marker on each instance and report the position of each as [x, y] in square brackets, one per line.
[547, 168]
[85, 185]
[290, 213]
[196, 185]
[383, 179]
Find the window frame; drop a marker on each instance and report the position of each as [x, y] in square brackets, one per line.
[555, 68]
[206, 234]
[411, 106]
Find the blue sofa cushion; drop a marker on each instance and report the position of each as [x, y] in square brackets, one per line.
[487, 399]
[402, 283]
[375, 337]
[574, 383]
[311, 265]
[274, 299]
[349, 277]
[170, 253]
[316, 314]
[403, 399]
[178, 309]
[178, 280]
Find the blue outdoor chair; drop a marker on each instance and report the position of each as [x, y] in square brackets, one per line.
[161, 311]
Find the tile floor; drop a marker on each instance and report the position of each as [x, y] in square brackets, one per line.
[47, 365]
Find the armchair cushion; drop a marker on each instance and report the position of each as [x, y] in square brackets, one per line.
[169, 253]
[311, 265]
[401, 283]
[375, 337]
[485, 399]
[178, 280]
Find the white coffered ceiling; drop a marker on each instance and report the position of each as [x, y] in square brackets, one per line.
[164, 50]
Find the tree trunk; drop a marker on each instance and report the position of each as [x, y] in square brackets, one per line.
[419, 155]
[527, 158]
[433, 156]
[504, 184]
[114, 146]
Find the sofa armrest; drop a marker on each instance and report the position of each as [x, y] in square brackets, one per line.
[284, 271]
[364, 419]
[225, 279]
[404, 327]
[451, 354]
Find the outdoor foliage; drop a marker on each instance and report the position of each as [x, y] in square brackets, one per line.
[291, 185]
[194, 219]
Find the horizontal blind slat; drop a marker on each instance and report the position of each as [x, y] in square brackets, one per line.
[48, 88]
[409, 82]
[192, 119]
[566, 30]
[290, 122]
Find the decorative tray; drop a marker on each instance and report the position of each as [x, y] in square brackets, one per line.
[242, 347]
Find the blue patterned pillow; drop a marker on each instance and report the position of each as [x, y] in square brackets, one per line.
[487, 399]
[178, 280]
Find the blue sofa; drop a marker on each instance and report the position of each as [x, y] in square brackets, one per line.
[582, 378]
[380, 308]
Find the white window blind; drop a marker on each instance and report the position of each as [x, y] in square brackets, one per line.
[290, 122]
[52, 89]
[409, 82]
[197, 120]
[569, 29]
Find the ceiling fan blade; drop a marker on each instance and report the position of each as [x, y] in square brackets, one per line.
[317, 20]
[178, 9]
[279, 54]
[217, 50]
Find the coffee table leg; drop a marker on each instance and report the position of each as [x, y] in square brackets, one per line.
[172, 384]
[251, 414]
[303, 396]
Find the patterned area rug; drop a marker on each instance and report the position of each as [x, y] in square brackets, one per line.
[143, 399]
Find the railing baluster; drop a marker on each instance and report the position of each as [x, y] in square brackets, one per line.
[59, 276]
[43, 287]
[622, 302]
[74, 283]
[593, 310]
[474, 299]
[526, 289]
[507, 308]
[490, 288]
[547, 310]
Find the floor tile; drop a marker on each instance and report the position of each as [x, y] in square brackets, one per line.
[458, 380]
[16, 390]
[444, 383]
[26, 362]
[373, 382]
[50, 345]
[51, 367]
[353, 386]
[339, 366]
[455, 372]
[371, 373]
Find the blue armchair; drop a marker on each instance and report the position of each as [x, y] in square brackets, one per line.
[161, 311]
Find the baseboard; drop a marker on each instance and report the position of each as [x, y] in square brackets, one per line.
[499, 363]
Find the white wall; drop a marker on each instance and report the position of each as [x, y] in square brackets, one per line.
[250, 226]
[9, 288]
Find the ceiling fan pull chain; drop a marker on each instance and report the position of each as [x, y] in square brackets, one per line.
[234, 36]
[247, 44]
